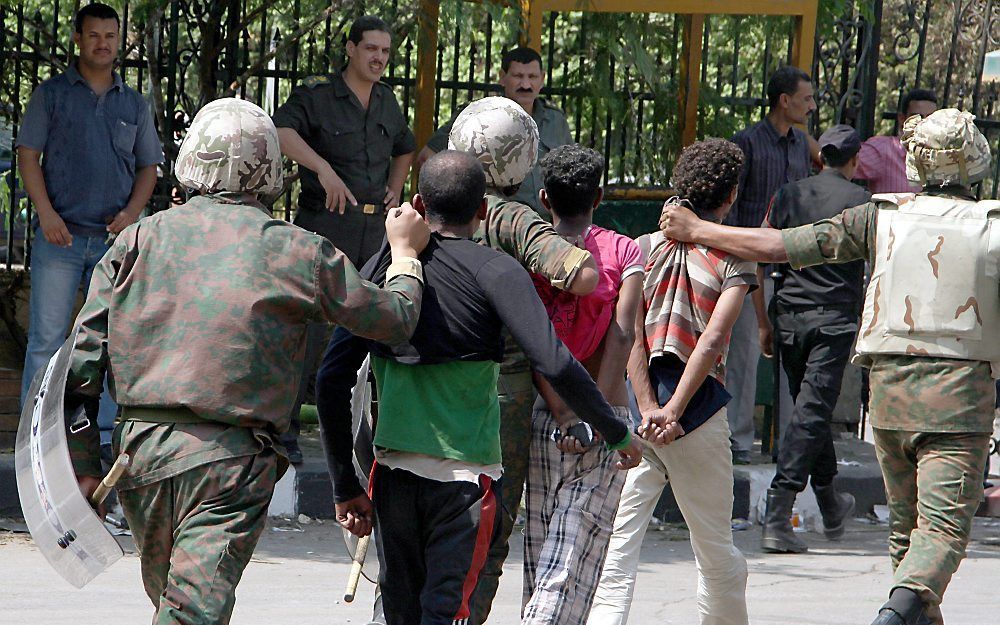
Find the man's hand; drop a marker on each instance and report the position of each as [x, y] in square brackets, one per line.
[54, 228]
[631, 456]
[88, 484]
[337, 194]
[678, 222]
[765, 334]
[391, 199]
[356, 515]
[122, 220]
[407, 231]
[660, 426]
[569, 444]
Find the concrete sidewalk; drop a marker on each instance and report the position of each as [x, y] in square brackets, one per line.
[297, 578]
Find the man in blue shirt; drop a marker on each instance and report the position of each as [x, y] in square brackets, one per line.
[98, 172]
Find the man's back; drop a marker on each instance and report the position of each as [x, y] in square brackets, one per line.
[208, 310]
[806, 201]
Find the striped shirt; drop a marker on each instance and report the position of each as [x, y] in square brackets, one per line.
[682, 285]
[882, 165]
[771, 161]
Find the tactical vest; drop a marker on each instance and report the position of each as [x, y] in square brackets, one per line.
[935, 286]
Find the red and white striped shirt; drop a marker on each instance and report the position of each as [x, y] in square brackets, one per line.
[682, 285]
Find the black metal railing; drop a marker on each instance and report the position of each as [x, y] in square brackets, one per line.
[614, 75]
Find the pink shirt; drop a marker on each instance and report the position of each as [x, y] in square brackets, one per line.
[582, 322]
[882, 163]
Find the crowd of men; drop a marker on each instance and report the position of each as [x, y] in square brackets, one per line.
[519, 351]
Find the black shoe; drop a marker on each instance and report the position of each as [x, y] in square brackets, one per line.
[904, 607]
[835, 507]
[292, 451]
[778, 535]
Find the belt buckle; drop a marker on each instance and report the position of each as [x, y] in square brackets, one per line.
[368, 209]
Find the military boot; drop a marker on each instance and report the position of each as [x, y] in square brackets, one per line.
[778, 535]
[835, 508]
[904, 607]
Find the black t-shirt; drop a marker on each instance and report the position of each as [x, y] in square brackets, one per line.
[470, 293]
[822, 196]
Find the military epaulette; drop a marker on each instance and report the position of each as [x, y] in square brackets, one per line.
[315, 81]
[547, 104]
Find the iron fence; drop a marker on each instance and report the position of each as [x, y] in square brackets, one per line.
[615, 75]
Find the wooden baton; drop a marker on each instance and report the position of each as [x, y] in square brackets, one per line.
[358, 562]
[109, 481]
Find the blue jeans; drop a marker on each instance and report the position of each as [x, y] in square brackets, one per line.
[56, 274]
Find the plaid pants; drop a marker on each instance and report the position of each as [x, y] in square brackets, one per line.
[571, 505]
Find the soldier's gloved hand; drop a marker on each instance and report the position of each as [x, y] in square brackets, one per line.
[338, 196]
[678, 222]
[356, 515]
[407, 231]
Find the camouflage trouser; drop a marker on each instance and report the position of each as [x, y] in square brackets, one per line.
[517, 395]
[934, 483]
[195, 533]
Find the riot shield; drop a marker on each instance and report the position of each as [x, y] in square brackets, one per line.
[62, 522]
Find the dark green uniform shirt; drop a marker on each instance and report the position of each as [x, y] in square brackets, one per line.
[910, 393]
[553, 131]
[358, 143]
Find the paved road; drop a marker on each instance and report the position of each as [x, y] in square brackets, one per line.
[297, 578]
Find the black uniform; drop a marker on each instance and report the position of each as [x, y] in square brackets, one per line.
[359, 144]
[817, 312]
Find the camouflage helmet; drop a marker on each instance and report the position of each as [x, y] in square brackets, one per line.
[945, 148]
[501, 135]
[232, 145]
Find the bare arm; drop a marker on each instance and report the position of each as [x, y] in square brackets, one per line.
[52, 225]
[337, 194]
[620, 337]
[638, 367]
[142, 190]
[759, 244]
[709, 347]
[398, 170]
[765, 332]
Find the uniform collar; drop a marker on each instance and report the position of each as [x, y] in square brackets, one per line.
[342, 90]
[75, 76]
[830, 171]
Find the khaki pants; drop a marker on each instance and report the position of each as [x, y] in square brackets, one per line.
[699, 467]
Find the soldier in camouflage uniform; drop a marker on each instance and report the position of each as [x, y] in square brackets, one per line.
[928, 336]
[198, 316]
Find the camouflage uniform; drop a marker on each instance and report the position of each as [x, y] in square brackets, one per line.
[932, 416]
[198, 315]
[483, 129]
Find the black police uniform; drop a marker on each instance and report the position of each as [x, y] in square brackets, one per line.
[817, 312]
[359, 144]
